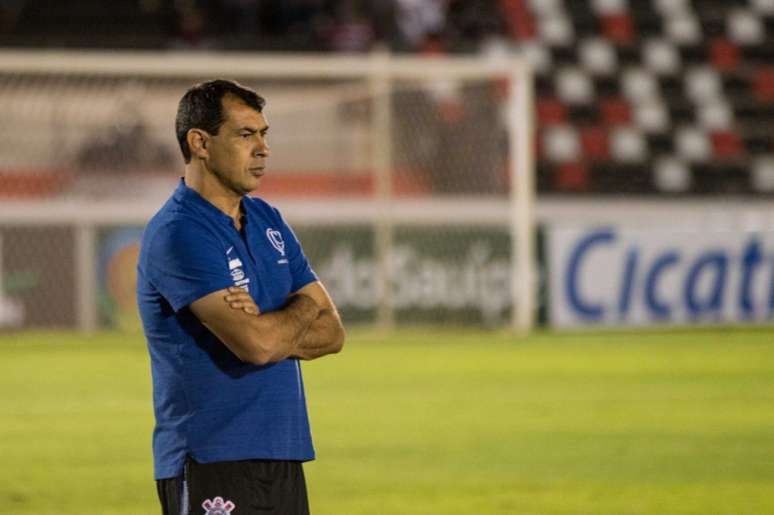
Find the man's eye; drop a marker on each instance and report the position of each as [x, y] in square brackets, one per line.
[245, 136]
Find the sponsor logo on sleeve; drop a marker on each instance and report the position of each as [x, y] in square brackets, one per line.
[236, 269]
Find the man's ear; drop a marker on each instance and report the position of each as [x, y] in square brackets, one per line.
[197, 142]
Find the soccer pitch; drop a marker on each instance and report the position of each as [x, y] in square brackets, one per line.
[429, 422]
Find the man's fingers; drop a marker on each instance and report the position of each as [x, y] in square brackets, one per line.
[244, 296]
[240, 299]
[247, 307]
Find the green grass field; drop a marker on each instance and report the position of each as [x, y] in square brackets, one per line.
[429, 423]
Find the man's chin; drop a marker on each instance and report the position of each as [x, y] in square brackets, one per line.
[255, 183]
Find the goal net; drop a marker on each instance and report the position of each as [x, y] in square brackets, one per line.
[409, 181]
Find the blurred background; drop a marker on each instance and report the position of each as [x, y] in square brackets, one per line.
[650, 116]
[561, 209]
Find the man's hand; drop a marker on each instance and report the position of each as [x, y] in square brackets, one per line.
[255, 337]
[325, 335]
[238, 298]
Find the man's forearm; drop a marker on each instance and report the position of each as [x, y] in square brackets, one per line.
[289, 327]
[324, 336]
[301, 329]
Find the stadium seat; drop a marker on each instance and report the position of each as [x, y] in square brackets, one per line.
[653, 96]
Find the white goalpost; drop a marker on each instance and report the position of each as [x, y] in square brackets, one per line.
[423, 152]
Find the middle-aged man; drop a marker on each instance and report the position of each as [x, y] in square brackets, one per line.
[229, 305]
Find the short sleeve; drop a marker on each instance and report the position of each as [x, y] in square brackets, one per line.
[186, 261]
[300, 270]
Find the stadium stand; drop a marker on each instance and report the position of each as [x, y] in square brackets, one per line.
[647, 97]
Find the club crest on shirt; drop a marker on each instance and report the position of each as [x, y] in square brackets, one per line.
[218, 507]
[275, 238]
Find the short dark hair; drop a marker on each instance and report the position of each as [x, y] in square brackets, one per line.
[202, 108]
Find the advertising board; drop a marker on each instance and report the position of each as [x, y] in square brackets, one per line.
[629, 275]
[455, 275]
[37, 277]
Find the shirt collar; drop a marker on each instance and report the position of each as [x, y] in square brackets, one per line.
[191, 198]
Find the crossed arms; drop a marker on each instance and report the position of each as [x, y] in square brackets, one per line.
[307, 327]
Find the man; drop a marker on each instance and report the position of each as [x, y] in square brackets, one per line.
[229, 306]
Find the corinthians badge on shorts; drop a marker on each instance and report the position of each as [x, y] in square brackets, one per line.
[217, 506]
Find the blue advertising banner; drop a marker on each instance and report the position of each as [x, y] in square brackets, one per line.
[621, 276]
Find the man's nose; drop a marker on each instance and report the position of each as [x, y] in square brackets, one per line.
[262, 149]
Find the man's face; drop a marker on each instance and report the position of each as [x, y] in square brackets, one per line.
[237, 154]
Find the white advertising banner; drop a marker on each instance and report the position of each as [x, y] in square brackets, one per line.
[631, 275]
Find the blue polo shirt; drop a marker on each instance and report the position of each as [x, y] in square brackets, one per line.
[208, 404]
